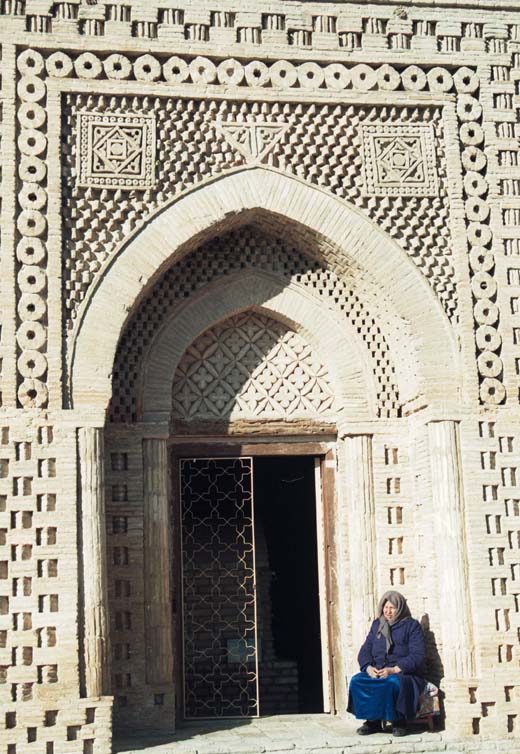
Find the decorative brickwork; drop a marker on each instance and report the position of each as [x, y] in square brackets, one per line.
[193, 146]
[35, 556]
[250, 366]
[253, 140]
[38, 595]
[31, 250]
[115, 152]
[82, 727]
[388, 138]
[247, 248]
[399, 160]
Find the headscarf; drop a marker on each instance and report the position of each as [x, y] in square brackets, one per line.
[403, 612]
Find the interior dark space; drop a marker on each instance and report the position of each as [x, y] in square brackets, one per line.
[290, 663]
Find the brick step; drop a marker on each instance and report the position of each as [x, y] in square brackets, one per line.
[216, 743]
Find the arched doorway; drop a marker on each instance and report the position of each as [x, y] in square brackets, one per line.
[243, 363]
[372, 340]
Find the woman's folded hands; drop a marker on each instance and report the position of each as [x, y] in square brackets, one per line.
[383, 672]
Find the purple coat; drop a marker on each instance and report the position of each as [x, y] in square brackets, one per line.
[408, 651]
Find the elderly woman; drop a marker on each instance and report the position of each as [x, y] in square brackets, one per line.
[391, 658]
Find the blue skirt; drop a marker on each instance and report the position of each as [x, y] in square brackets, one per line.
[392, 698]
[374, 698]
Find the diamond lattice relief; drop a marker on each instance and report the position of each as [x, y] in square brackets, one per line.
[399, 159]
[116, 151]
[250, 365]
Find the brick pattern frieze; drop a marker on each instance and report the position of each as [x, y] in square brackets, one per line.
[31, 251]
[396, 30]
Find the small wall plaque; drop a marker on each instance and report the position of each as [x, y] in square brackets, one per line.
[399, 159]
[116, 151]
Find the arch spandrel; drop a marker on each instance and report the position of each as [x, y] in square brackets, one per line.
[205, 212]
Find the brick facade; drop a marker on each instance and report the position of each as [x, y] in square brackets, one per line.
[341, 177]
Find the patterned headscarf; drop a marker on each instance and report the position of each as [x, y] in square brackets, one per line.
[403, 611]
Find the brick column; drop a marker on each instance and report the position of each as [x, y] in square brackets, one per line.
[449, 544]
[96, 644]
[157, 579]
[361, 534]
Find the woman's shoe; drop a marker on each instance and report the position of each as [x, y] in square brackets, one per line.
[399, 728]
[368, 727]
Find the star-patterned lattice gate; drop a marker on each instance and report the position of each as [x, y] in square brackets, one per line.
[218, 576]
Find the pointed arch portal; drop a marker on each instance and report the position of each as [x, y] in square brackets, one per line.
[410, 319]
[209, 210]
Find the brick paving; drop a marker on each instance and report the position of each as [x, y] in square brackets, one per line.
[301, 734]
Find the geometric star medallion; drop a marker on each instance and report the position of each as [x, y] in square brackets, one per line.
[399, 159]
[116, 151]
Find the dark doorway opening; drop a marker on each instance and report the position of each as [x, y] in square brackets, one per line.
[288, 605]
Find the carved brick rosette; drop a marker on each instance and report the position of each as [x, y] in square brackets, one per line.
[399, 159]
[116, 151]
[31, 251]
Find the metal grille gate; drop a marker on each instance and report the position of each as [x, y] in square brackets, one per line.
[219, 597]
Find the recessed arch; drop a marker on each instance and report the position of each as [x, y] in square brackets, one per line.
[207, 211]
[334, 342]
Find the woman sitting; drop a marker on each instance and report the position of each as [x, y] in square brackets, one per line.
[391, 658]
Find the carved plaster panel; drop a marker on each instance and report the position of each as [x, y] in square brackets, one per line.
[116, 151]
[247, 367]
[399, 159]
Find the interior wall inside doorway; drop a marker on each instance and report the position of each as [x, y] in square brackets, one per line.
[290, 667]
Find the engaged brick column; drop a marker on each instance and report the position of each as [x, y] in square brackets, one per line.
[157, 581]
[361, 531]
[450, 546]
[96, 625]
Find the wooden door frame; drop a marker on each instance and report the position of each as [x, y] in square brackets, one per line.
[229, 448]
